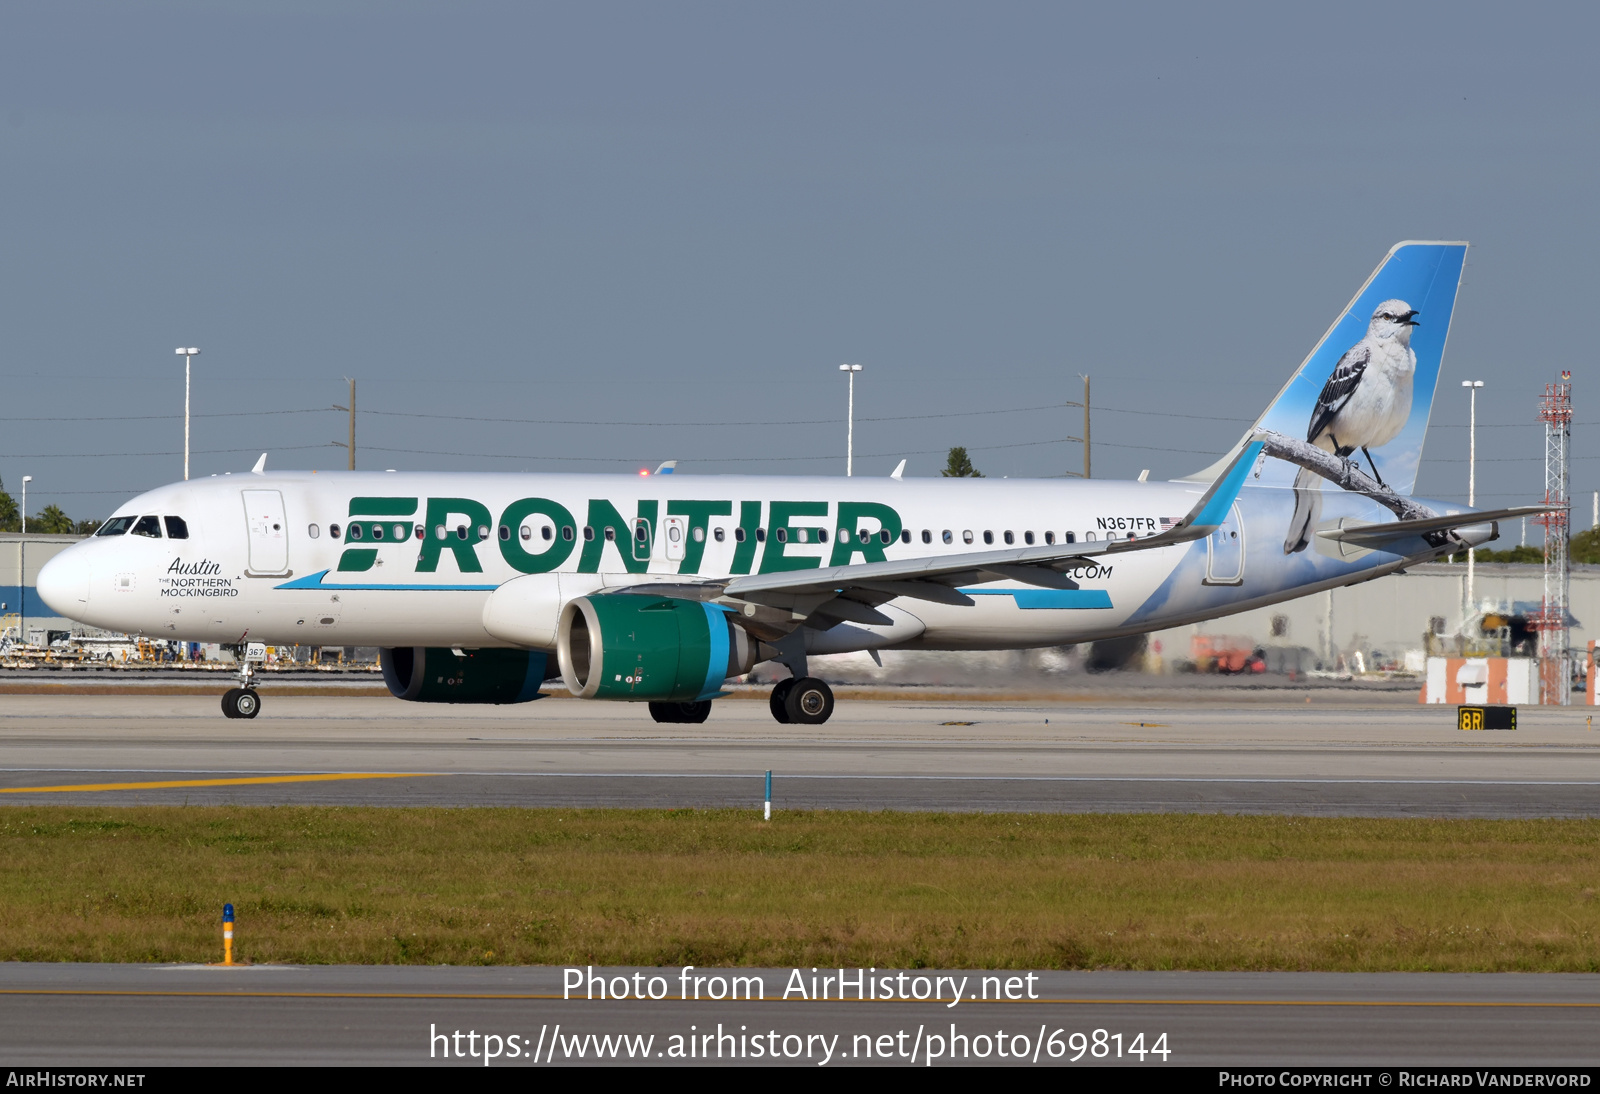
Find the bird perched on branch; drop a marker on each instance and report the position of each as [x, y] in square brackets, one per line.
[1364, 405]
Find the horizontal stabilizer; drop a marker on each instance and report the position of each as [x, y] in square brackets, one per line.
[1375, 535]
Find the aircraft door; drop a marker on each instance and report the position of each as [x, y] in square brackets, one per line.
[673, 530]
[1225, 552]
[641, 540]
[268, 531]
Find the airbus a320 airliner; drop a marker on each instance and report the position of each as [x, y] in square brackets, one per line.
[479, 588]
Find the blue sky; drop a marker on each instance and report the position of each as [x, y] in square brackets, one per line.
[678, 220]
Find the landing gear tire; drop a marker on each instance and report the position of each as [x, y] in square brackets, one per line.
[691, 713]
[809, 702]
[780, 693]
[241, 703]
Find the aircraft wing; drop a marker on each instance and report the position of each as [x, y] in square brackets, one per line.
[935, 578]
[1378, 534]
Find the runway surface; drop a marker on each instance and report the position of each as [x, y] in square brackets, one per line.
[1383, 759]
[127, 1016]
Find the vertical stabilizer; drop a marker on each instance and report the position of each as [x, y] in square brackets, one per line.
[1366, 389]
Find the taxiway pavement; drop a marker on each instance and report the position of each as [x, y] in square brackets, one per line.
[1390, 758]
[127, 1016]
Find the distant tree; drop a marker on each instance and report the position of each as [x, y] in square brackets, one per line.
[87, 527]
[10, 516]
[958, 466]
[51, 520]
[1512, 554]
[1585, 547]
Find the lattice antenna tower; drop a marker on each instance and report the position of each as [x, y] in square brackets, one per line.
[1555, 673]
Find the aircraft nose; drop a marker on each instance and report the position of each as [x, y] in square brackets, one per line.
[63, 582]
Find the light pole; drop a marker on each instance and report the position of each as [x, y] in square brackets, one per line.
[850, 425]
[188, 356]
[22, 569]
[1472, 387]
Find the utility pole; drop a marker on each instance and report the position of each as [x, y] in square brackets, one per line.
[188, 356]
[1085, 438]
[850, 427]
[352, 409]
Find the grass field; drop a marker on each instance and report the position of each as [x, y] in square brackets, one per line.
[478, 886]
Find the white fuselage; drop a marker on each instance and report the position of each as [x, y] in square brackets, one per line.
[410, 559]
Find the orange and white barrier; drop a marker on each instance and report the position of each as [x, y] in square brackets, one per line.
[1476, 681]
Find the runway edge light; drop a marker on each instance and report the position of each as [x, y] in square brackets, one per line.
[227, 934]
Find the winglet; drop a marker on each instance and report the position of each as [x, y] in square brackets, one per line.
[898, 471]
[261, 466]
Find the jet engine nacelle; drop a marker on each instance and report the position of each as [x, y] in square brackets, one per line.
[628, 646]
[426, 674]
[526, 611]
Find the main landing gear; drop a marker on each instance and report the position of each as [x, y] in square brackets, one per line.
[806, 701]
[241, 703]
[693, 713]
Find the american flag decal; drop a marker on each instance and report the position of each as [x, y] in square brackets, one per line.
[1169, 523]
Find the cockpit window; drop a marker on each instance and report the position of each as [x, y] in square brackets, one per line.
[148, 526]
[116, 526]
[177, 528]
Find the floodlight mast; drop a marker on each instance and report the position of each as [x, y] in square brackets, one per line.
[1472, 387]
[850, 422]
[188, 355]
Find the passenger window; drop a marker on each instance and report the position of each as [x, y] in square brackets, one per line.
[947, 536]
[505, 532]
[400, 531]
[782, 534]
[611, 534]
[116, 526]
[178, 528]
[356, 532]
[148, 526]
[966, 535]
[333, 531]
[927, 536]
[377, 531]
[988, 537]
[483, 531]
[461, 531]
[588, 533]
[884, 536]
[1072, 537]
[1089, 537]
[1027, 537]
[905, 535]
[1010, 539]
[822, 535]
[716, 534]
[567, 532]
[738, 535]
[1049, 537]
[761, 535]
[699, 534]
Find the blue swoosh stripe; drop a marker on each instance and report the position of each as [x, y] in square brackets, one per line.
[314, 581]
[717, 669]
[1035, 599]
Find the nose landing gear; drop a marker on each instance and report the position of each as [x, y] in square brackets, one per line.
[241, 703]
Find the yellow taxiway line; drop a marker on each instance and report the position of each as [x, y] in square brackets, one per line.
[536, 997]
[257, 780]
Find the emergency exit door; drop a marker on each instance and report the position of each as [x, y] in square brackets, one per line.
[268, 532]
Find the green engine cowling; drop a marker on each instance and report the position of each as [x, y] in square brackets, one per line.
[631, 647]
[426, 674]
